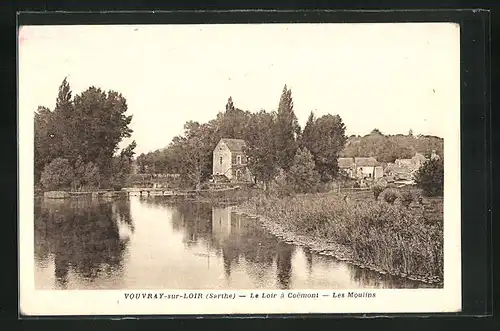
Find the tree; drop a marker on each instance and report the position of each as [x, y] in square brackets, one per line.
[307, 138]
[86, 176]
[142, 162]
[302, 175]
[192, 152]
[229, 105]
[84, 129]
[325, 138]
[44, 141]
[102, 125]
[260, 148]
[286, 131]
[57, 175]
[232, 123]
[430, 177]
[65, 124]
[410, 133]
[121, 166]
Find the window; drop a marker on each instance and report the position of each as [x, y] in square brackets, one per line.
[238, 159]
[220, 160]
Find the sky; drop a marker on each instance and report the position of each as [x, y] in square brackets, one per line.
[390, 76]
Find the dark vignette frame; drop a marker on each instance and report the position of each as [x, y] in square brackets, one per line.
[475, 120]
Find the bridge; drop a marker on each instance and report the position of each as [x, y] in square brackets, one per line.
[148, 191]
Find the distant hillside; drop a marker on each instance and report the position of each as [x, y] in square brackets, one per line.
[387, 148]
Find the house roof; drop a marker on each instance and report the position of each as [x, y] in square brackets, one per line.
[401, 172]
[365, 161]
[345, 162]
[419, 157]
[397, 168]
[234, 145]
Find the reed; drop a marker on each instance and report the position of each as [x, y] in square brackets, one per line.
[389, 236]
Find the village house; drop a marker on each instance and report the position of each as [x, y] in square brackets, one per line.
[360, 167]
[402, 171]
[367, 168]
[230, 161]
[414, 163]
[346, 166]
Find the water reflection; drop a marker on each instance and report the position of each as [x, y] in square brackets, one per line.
[82, 236]
[158, 243]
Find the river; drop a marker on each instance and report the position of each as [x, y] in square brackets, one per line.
[154, 243]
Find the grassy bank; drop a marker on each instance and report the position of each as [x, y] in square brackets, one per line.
[386, 237]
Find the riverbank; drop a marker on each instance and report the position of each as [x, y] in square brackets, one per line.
[389, 239]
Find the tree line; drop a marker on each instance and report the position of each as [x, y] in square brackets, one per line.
[76, 143]
[275, 144]
[388, 148]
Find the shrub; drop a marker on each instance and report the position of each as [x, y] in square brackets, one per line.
[377, 189]
[390, 195]
[407, 198]
[279, 186]
[301, 176]
[57, 175]
[418, 197]
[430, 177]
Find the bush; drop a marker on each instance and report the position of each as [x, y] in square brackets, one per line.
[430, 177]
[377, 189]
[390, 195]
[418, 198]
[279, 186]
[301, 176]
[407, 198]
[57, 175]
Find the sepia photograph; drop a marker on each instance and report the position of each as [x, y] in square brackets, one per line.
[239, 168]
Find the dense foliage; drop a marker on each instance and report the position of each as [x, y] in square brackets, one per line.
[273, 139]
[387, 148]
[430, 177]
[325, 139]
[82, 133]
[302, 176]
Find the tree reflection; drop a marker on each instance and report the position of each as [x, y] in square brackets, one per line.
[194, 220]
[231, 235]
[309, 259]
[284, 266]
[82, 235]
[238, 236]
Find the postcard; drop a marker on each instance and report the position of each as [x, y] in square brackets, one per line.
[239, 169]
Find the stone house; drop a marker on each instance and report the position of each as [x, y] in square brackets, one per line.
[367, 168]
[414, 163]
[346, 166]
[360, 167]
[230, 161]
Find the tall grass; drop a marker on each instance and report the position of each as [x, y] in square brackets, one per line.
[389, 237]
